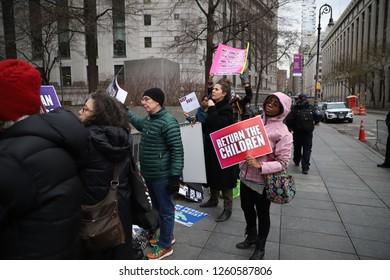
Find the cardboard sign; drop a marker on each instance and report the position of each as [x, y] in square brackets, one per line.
[189, 102]
[49, 98]
[233, 143]
[116, 91]
[188, 216]
[192, 191]
[194, 170]
[229, 61]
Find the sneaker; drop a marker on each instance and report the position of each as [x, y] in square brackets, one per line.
[159, 253]
[305, 171]
[154, 241]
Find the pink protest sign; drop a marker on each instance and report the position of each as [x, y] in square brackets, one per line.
[233, 143]
[229, 61]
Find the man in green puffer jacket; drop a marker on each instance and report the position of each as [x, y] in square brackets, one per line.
[162, 159]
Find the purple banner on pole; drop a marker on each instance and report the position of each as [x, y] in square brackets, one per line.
[49, 98]
[297, 68]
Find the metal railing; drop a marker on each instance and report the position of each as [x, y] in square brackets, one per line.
[381, 133]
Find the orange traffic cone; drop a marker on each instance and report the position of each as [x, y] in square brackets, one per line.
[362, 134]
[362, 110]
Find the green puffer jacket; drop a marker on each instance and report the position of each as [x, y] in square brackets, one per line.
[161, 150]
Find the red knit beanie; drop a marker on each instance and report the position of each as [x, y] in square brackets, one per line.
[20, 85]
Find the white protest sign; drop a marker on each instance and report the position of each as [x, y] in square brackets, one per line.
[194, 170]
[116, 91]
[189, 102]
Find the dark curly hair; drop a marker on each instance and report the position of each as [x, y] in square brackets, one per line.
[108, 111]
[226, 86]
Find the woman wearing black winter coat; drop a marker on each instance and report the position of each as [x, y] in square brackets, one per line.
[110, 143]
[40, 154]
[219, 115]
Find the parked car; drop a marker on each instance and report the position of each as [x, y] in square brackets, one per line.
[319, 107]
[337, 111]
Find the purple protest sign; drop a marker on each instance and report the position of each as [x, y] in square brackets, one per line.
[49, 98]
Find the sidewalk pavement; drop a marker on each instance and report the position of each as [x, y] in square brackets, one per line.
[341, 211]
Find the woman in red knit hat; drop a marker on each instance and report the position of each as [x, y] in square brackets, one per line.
[40, 191]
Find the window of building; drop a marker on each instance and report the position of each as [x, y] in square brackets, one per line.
[176, 16]
[148, 42]
[147, 1]
[119, 27]
[177, 39]
[36, 30]
[66, 76]
[120, 71]
[147, 20]
[63, 29]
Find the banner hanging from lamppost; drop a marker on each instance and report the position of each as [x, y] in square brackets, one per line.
[297, 67]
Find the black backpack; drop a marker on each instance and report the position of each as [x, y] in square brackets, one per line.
[304, 120]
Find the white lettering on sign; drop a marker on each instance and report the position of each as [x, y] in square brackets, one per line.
[46, 100]
[240, 141]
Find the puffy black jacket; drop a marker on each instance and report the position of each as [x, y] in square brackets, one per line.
[109, 145]
[40, 192]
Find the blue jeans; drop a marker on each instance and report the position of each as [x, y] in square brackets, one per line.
[162, 202]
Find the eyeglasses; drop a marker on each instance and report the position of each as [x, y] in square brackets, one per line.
[86, 109]
[146, 99]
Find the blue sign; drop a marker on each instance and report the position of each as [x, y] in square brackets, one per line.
[49, 98]
[188, 216]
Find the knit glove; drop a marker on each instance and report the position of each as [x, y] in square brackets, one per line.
[173, 184]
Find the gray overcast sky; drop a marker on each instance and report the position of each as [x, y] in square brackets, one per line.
[338, 6]
[293, 11]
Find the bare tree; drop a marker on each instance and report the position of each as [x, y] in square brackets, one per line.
[367, 69]
[36, 36]
[348, 72]
[39, 41]
[264, 52]
[374, 64]
[223, 21]
[9, 28]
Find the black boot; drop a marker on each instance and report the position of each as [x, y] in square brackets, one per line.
[259, 252]
[385, 165]
[224, 216]
[251, 234]
[210, 203]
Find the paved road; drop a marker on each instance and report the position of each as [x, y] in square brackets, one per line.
[369, 126]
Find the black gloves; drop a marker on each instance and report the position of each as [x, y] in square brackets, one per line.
[173, 184]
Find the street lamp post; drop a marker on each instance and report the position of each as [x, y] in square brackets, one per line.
[324, 9]
[58, 59]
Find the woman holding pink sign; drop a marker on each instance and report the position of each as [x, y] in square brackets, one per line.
[254, 202]
[219, 115]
